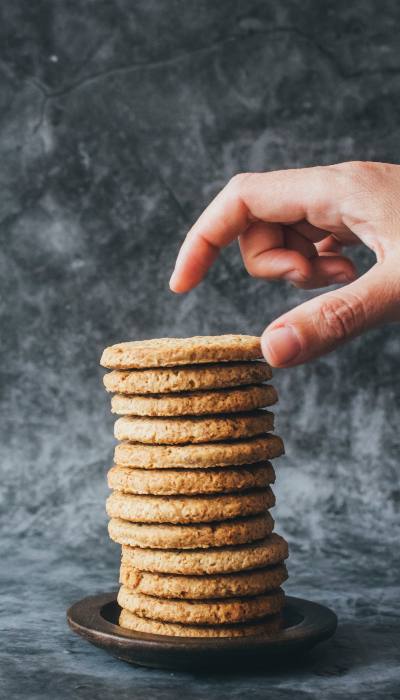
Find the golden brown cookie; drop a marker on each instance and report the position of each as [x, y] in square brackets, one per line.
[193, 429]
[165, 482]
[167, 352]
[165, 536]
[196, 403]
[186, 378]
[214, 560]
[188, 509]
[205, 455]
[204, 612]
[266, 626]
[247, 583]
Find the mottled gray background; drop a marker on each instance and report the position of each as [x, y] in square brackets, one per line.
[119, 121]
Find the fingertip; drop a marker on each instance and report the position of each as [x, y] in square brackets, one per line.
[175, 286]
[281, 346]
[328, 270]
[342, 278]
[173, 283]
[295, 277]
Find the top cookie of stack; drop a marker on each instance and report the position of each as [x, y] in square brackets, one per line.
[192, 472]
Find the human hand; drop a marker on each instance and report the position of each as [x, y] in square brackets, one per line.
[293, 224]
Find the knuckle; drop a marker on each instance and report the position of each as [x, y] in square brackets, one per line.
[340, 317]
[236, 182]
[361, 171]
[358, 172]
[356, 166]
[360, 166]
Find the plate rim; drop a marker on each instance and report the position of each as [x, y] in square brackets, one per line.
[84, 617]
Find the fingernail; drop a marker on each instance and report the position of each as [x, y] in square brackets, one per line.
[172, 281]
[341, 278]
[281, 345]
[295, 276]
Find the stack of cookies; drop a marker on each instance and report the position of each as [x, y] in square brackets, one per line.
[192, 487]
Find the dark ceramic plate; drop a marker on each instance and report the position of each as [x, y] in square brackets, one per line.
[96, 619]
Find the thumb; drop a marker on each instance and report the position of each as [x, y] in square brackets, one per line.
[323, 323]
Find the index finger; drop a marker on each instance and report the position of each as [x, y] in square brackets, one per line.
[282, 196]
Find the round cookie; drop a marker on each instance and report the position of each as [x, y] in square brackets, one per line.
[167, 352]
[186, 378]
[200, 535]
[188, 509]
[248, 583]
[265, 626]
[205, 612]
[196, 403]
[205, 455]
[174, 430]
[214, 560]
[165, 482]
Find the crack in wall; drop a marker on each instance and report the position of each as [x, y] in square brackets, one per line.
[211, 48]
[165, 62]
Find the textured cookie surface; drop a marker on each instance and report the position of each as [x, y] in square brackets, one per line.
[167, 352]
[190, 481]
[204, 612]
[214, 560]
[193, 429]
[205, 455]
[265, 626]
[246, 398]
[189, 378]
[164, 536]
[246, 583]
[188, 509]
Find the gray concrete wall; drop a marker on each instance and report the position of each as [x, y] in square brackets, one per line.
[119, 122]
